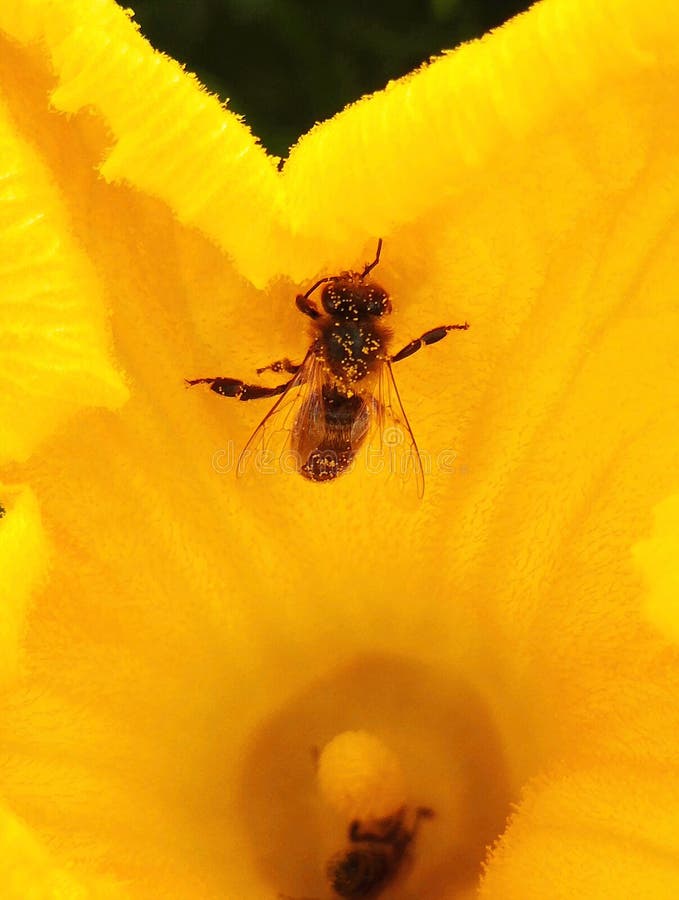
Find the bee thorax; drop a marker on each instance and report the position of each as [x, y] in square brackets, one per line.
[352, 348]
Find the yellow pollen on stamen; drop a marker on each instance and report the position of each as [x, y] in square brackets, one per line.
[360, 777]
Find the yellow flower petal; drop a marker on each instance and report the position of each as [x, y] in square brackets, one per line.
[28, 871]
[431, 138]
[55, 344]
[657, 557]
[560, 99]
[604, 833]
[23, 563]
[171, 139]
[200, 634]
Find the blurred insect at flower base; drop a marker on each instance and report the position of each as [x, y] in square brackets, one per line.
[343, 393]
[375, 853]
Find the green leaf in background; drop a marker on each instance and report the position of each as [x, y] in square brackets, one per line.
[286, 64]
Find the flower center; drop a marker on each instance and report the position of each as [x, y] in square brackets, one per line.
[384, 771]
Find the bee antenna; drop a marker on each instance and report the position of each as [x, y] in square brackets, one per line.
[372, 265]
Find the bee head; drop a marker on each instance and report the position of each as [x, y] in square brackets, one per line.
[349, 297]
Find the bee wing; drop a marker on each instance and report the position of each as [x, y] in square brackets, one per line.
[300, 403]
[394, 438]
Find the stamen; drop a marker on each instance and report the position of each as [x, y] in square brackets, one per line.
[360, 777]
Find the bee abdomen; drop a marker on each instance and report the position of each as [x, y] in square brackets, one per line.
[325, 463]
[358, 873]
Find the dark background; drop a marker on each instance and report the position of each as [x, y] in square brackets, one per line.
[285, 64]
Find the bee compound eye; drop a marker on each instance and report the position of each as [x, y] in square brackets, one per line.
[356, 873]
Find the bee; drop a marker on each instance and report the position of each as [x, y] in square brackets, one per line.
[343, 387]
[374, 855]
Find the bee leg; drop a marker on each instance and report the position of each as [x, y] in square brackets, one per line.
[393, 832]
[383, 836]
[233, 387]
[429, 337]
[424, 812]
[281, 365]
